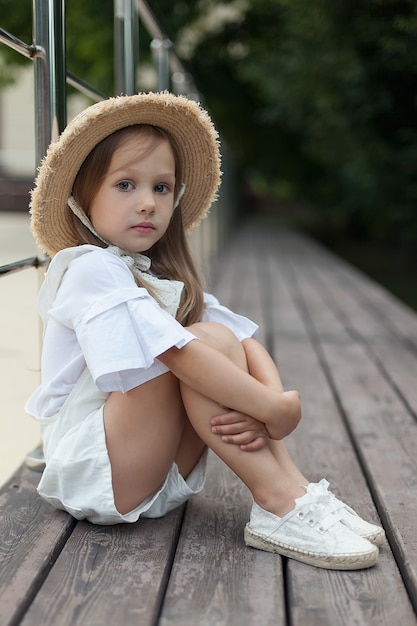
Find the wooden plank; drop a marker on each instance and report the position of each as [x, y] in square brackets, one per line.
[386, 437]
[109, 575]
[399, 363]
[321, 446]
[383, 376]
[363, 598]
[396, 355]
[380, 426]
[32, 534]
[216, 579]
[380, 308]
[334, 336]
[241, 291]
[383, 305]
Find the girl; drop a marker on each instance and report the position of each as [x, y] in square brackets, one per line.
[141, 370]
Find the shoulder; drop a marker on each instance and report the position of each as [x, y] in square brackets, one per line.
[85, 256]
[83, 274]
[87, 263]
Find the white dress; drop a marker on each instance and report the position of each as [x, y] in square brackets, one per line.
[101, 334]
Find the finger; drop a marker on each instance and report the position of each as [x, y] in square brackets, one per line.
[230, 429]
[255, 445]
[242, 438]
[226, 418]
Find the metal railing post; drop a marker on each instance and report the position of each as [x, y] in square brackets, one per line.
[50, 72]
[126, 46]
[160, 51]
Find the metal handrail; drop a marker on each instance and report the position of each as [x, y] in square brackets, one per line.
[16, 44]
[164, 54]
[31, 51]
[85, 88]
[51, 77]
[18, 266]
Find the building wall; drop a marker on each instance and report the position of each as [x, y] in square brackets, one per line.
[17, 139]
[17, 127]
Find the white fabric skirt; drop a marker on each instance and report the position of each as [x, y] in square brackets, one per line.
[77, 477]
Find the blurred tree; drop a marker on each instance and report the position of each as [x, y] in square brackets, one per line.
[89, 39]
[317, 99]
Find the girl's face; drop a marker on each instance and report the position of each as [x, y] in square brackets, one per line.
[133, 205]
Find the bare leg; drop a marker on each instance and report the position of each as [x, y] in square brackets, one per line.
[268, 473]
[274, 480]
[147, 429]
[262, 367]
[144, 429]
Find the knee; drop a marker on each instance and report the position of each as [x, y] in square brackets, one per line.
[213, 333]
[221, 338]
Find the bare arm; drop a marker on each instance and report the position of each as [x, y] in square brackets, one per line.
[239, 429]
[260, 364]
[212, 374]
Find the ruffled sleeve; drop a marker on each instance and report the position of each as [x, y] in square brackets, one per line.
[119, 328]
[241, 326]
[122, 338]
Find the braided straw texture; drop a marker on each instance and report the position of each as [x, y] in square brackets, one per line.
[193, 135]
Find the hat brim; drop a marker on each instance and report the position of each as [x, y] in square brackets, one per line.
[194, 137]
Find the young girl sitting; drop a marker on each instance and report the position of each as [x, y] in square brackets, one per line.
[141, 370]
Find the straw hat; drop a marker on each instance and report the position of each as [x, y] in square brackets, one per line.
[193, 136]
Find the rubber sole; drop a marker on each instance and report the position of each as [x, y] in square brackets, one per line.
[327, 561]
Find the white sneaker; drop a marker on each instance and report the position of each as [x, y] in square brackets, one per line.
[348, 517]
[311, 533]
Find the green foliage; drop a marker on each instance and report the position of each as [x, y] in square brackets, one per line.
[89, 39]
[17, 20]
[322, 99]
[317, 99]
[90, 42]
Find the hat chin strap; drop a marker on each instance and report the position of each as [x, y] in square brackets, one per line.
[77, 210]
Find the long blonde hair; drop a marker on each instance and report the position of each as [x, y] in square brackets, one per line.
[171, 256]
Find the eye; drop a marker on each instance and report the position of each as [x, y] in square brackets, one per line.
[162, 188]
[124, 185]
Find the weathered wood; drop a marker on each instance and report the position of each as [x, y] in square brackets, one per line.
[321, 444]
[384, 307]
[377, 416]
[379, 425]
[31, 535]
[350, 348]
[215, 578]
[365, 597]
[109, 575]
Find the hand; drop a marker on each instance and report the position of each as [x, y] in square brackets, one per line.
[240, 429]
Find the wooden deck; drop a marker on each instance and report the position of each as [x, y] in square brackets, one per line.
[351, 349]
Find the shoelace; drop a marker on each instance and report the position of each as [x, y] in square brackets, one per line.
[321, 491]
[315, 510]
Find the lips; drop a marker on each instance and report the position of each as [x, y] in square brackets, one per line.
[144, 227]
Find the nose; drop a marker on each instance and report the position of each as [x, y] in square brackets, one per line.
[145, 202]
